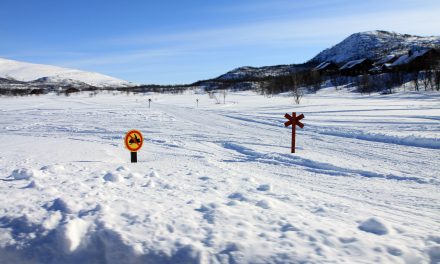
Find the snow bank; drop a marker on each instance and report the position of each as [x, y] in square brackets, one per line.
[25, 174]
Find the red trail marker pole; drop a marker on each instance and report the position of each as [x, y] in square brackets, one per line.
[293, 133]
[293, 121]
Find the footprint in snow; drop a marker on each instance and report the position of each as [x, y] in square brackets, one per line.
[347, 240]
[374, 226]
[237, 196]
[264, 187]
[33, 185]
[60, 204]
[154, 174]
[112, 177]
[123, 169]
[53, 168]
[289, 227]
[394, 251]
[133, 175]
[264, 204]
[151, 183]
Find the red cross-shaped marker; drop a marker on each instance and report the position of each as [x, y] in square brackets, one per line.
[294, 121]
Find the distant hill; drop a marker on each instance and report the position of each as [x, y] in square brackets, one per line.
[357, 54]
[40, 74]
[375, 45]
[248, 72]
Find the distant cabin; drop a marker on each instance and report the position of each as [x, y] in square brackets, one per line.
[327, 67]
[356, 67]
[417, 60]
[381, 69]
[387, 60]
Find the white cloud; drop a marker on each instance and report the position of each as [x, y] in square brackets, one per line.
[286, 32]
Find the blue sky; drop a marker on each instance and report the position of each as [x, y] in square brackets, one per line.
[168, 42]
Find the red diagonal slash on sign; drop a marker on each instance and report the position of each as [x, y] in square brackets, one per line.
[293, 121]
[135, 140]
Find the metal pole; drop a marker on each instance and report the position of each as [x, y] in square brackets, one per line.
[133, 157]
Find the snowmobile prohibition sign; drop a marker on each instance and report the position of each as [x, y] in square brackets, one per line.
[294, 121]
[133, 142]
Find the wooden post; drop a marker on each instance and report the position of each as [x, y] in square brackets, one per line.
[293, 132]
[293, 121]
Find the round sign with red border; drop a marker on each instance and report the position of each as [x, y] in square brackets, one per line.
[133, 140]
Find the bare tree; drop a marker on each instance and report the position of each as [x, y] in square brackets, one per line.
[415, 80]
[295, 89]
[224, 96]
[427, 79]
[214, 96]
[316, 80]
[297, 94]
[364, 84]
[334, 80]
[437, 80]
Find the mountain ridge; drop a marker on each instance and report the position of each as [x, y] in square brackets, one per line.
[31, 72]
[373, 45]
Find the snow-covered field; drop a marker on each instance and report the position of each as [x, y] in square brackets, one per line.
[217, 184]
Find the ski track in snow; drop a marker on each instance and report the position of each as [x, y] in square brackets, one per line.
[217, 184]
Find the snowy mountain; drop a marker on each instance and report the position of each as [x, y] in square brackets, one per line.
[28, 72]
[375, 45]
[260, 72]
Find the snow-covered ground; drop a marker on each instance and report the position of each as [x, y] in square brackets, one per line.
[217, 184]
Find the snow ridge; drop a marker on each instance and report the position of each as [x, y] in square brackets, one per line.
[375, 45]
[23, 71]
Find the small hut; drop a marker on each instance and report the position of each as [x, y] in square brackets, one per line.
[356, 67]
[327, 67]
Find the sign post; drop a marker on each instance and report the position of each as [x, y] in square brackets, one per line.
[197, 101]
[133, 142]
[134, 157]
[149, 102]
[294, 121]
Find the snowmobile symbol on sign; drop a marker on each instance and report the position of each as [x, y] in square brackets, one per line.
[133, 142]
[294, 121]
